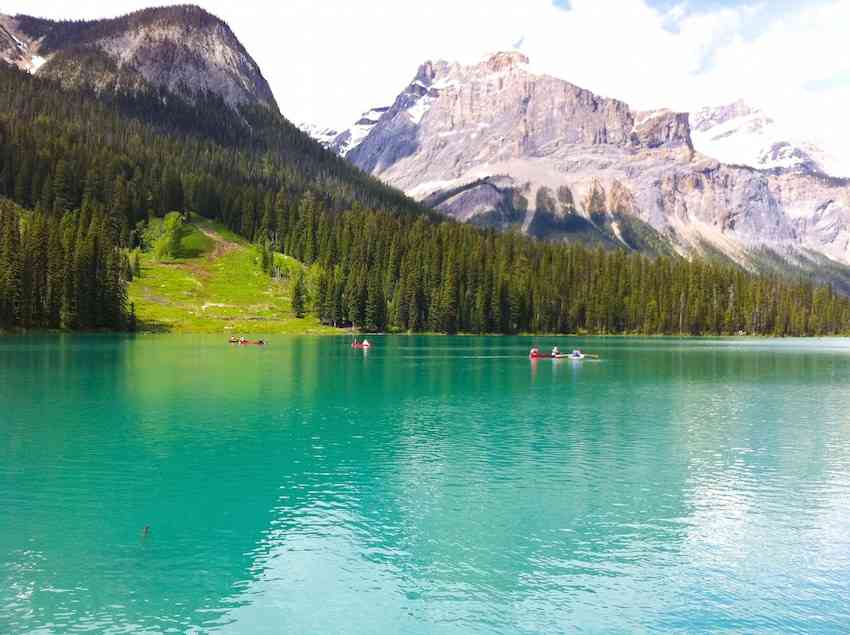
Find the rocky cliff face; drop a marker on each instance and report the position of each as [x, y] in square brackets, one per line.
[499, 145]
[16, 48]
[182, 49]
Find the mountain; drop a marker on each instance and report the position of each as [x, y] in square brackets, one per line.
[323, 135]
[343, 142]
[20, 53]
[499, 145]
[182, 49]
[742, 135]
[126, 131]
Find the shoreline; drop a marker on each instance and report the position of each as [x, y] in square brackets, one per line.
[324, 333]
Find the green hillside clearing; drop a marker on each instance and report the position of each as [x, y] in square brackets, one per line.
[216, 285]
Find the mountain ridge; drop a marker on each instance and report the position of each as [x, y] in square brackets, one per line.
[739, 134]
[181, 48]
[504, 141]
[120, 161]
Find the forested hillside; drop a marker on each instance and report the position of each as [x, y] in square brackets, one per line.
[95, 169]
[400, 272]
[61, 270]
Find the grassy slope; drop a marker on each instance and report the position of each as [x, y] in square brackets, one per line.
[219, 287]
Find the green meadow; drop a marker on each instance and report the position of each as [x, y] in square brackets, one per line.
[215, 283]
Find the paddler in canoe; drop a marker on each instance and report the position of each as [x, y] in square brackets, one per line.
[244, 341]
[363, 344]
[535, 353]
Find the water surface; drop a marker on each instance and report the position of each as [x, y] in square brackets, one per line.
[431, 485]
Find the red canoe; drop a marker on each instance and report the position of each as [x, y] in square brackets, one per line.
[575, 355]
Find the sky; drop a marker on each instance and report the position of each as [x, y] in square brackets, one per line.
[329, 60]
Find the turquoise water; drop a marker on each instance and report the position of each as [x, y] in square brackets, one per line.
[432, 485]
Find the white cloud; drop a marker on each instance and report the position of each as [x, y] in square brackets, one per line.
[328, 61]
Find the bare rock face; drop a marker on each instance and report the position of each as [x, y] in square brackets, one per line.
[182, 49]
[663, 129]
[818, 208]
[16, 48]
[499, 145]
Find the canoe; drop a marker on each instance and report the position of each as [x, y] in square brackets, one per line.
[558, 356]
[246, 342]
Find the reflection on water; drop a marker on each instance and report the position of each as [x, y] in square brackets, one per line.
[435, 484]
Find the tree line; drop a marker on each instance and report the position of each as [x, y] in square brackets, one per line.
[382, 271]
[94, 171]
[148, 153]
[61, 271]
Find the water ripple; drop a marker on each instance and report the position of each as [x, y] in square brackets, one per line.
[439, 485]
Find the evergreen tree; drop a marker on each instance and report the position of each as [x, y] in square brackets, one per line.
[299, 301]
[375, 306]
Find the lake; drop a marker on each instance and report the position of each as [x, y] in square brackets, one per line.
[430, 485]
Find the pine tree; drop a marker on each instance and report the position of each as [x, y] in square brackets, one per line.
[61, 188]
[375, 306]
[299, 301]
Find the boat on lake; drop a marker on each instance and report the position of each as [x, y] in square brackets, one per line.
[245, 342]
[535, 353]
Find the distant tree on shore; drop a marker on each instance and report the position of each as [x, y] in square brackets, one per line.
[299, 301]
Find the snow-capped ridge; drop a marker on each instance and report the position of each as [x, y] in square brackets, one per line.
[740, 134]
[498, 145]
[321, 134]
[342, 142]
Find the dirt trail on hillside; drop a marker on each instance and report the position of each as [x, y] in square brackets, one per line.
[222, 246]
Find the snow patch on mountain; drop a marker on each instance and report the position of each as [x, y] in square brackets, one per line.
[17, 49]
[739, 134]
[343, 142]
[359, 131]
[323, 135]
[36, 63]
[418, 110]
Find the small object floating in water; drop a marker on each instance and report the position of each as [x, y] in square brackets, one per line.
[363, 345]
[146, 531]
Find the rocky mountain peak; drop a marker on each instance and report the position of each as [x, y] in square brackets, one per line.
[505, 60]
[497, 110]
[426, 72]
[497, 145]
[709, 117]
[183, 49]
